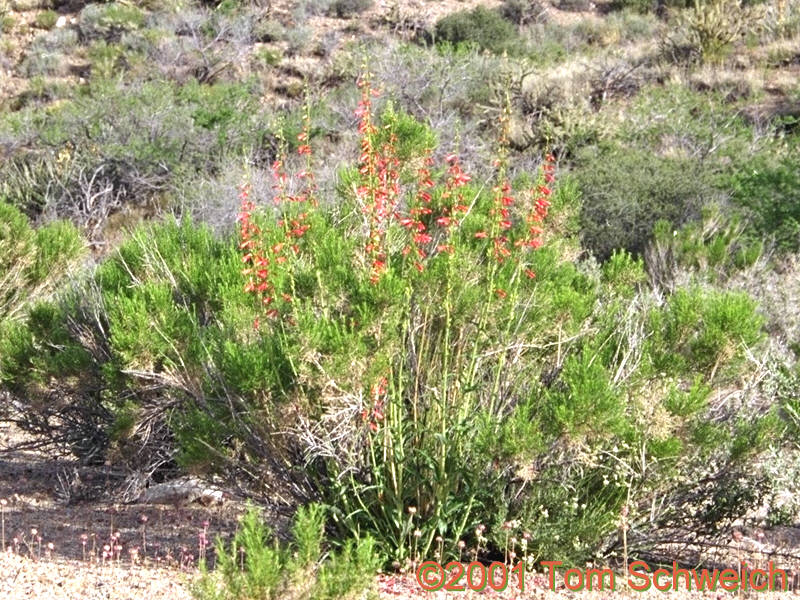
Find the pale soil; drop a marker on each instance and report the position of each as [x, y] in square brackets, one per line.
[36, 514]
[53, 579]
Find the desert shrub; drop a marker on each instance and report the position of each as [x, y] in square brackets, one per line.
[557, 114]
[640, 6]
[268, 30]
[418, 386]
[714, 248]
[575, 5]
[409, 72]
[345, 9]
[624, 272]
[647, 6]
[46, 19]
[767, 191]
[31, 260]
[124, 146]
[47, 54]
[481, 27]
[255, 566]
[704, 330]
[700, 126]
[708, 30]
[619, 211]
[524, 12]
[109, 21]
[106, 59]
[632, 25]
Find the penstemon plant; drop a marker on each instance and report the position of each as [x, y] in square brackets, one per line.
[439, 296]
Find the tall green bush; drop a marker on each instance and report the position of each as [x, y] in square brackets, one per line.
[419, 386]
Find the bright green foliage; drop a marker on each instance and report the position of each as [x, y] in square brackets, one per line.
[31, 260]
[703, 330]
[586, 402]
[256, 565]
[424, 389]
[46, 19]
[684, 403]
[414, 139]
[624, 272]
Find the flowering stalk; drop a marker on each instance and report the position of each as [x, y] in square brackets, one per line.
[377, 191]
[418, 212]
[257, 270]
[309, 193]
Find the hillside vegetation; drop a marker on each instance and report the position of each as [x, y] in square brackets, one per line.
[455, 278]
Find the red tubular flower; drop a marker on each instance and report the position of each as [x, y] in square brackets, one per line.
[461, 178]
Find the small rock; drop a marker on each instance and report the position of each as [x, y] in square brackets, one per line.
[61, 22]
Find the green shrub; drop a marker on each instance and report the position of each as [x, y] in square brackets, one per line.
[586, 401]
[31, 261]
[768, 192]
[702, 331]
[700, 125]
[255, 566]
[377, 378]
[624, 273]
[105, 58]
[646, 6]
[109, 21]
[481, 27]
[46, 19]
[140, 141]
[626, 191]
